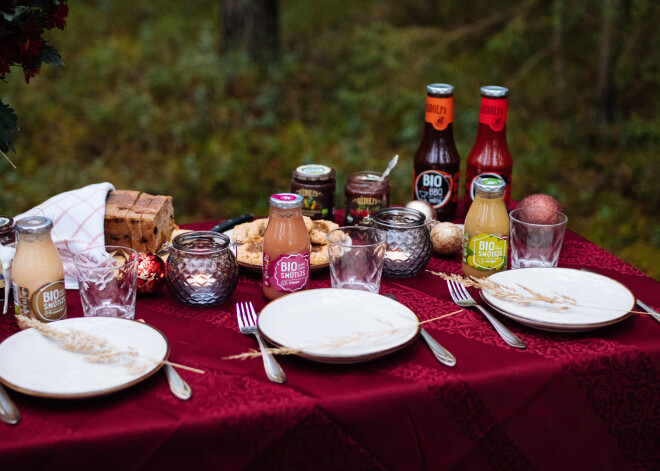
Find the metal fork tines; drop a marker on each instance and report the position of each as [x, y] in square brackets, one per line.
[461, 297]
[247, 324]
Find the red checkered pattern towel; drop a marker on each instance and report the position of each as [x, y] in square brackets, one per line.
[77, 222]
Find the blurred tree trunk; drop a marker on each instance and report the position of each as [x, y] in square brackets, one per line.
[251, 26]
[558, 48]
[604, 103]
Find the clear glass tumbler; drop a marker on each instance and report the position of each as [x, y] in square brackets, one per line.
[107, 280]
[356, 256]
[536, 237]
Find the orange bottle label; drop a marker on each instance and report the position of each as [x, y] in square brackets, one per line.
[439, 112]
[493, 113]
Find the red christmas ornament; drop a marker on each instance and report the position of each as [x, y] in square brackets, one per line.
[151, 273]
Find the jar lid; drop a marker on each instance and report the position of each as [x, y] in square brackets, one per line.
[493, 91]
[440, 89]
[34, 225]
[490, 184]
[399, 218]
[368, 176]
[6, 224]
[314, 173]
[286, 200]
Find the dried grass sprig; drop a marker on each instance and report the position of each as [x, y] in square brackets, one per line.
[252, 353]
[95, 349]
[508, 293]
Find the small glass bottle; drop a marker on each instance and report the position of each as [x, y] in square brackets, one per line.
[37, 272]
[437, 163]
[286, 247]
[316, 184]
[365, 193]
[486, 235]
[490, 154]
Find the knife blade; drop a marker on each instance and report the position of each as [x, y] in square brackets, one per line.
[229, 223]
[8, 411]
[654, 314]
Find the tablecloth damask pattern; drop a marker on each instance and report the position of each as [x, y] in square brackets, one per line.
[569, 401]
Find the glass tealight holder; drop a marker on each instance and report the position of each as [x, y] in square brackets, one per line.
[409, 243]
[201, 268]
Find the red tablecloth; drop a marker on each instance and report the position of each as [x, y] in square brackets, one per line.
[569, 401]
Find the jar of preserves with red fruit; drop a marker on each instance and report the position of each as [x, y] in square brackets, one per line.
[366, 192]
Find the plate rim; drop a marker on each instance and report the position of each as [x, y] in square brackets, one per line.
[335, 359]
[91, 394]
[559, 326]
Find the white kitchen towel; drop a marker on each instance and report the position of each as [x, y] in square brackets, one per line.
[77, 222]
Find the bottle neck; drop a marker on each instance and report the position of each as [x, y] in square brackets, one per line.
[492, 112]
[439, 112]
[285, 213]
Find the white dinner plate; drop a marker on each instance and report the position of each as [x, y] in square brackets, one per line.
[338, 325]
[599, 300]
[34, 364]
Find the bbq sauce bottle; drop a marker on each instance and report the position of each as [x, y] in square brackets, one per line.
[490, 155]
[437, 163]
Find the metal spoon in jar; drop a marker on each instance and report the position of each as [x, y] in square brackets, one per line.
[390, 166]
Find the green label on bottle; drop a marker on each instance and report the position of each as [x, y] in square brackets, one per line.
[485, 251]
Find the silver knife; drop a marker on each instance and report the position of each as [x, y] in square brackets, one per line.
[654, 314]
[439, 352]
[8, 411]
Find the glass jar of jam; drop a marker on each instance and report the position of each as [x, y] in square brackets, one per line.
[365, 194]
[316, 184]
[7, 234]
[7, 237]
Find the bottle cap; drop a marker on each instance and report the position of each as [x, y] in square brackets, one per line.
[286, 200]
[34, 225]
[313, 173]
[439, 89]
[490, 185]
[493, 91]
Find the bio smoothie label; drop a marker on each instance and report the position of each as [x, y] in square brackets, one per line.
[46, 304]
[287, 273]
[485, 251]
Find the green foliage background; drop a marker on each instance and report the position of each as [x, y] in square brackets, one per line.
[147, 101]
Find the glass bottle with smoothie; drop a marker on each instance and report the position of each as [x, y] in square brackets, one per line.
[486, 236]
[437, 163]
[490, 154]
[37, 272]
[286, 247]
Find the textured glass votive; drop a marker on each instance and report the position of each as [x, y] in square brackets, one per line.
[409, 243]
[201, 268]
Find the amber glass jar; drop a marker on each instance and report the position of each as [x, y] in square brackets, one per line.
[365, 194]
[316, 184]
[7, 237]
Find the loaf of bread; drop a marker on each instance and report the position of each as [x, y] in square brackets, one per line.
[140, 221]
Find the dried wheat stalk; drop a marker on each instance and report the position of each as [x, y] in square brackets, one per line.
[252, 353]
[525, 298]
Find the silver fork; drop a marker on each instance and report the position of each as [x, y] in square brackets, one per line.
[247, 324]
[461, 297]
